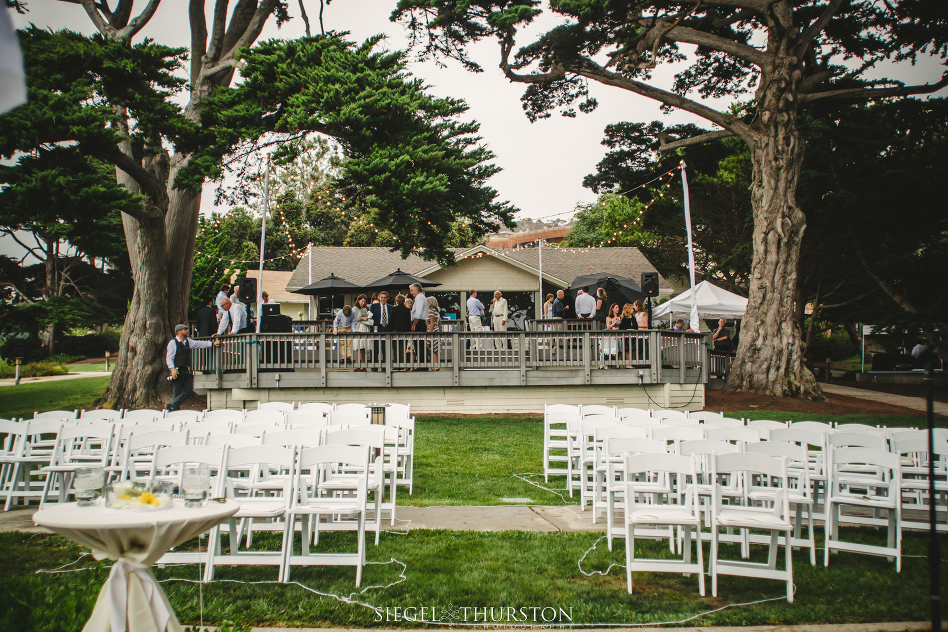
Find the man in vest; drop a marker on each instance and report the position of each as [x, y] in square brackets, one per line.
[178, 359]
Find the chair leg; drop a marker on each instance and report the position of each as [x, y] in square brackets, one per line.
[213, 550]
[701, 589]
[788, 552]
[286, 547]
[629, 553]
[774, 543]
[714, 561]
[46, 486]
[361, 548]
[810, 536]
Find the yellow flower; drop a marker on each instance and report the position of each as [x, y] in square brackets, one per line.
[149, 498]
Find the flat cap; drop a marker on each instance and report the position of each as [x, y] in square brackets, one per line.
[180, 328]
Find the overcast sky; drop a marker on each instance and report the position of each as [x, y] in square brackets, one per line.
[543, 163]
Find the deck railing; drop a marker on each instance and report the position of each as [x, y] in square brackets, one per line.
[660, 356]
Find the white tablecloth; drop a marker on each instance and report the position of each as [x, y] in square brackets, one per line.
[132, 599]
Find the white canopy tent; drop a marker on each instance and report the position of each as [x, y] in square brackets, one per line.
[710, 300]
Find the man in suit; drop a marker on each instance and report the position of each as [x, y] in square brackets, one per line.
[207, 319]
[382, 317]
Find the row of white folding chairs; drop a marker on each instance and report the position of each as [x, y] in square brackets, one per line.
[662, 491]
[55, 448]
[325, 487]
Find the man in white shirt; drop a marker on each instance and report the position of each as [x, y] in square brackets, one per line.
[498, 311]
[178, 360]
[235, 319]
[221, 296]
[585, 304]
[475, 312]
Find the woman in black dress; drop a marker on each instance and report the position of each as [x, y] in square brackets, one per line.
[627, 323]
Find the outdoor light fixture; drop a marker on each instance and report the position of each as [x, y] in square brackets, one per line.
[378, 415]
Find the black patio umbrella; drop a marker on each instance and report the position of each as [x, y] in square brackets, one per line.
[400, 279]
[619, 289]
[327, 286]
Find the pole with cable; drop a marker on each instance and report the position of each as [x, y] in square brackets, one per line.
[694, 323]
[263, 239]
[540, 299]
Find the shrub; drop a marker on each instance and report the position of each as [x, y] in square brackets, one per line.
[64, 358]
[30, 348]
[32, 369]
[92, 345]
[836, 347]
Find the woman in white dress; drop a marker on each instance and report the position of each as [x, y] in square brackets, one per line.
[363, 324]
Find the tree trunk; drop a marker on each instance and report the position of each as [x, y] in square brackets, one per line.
[770, 354]
[138, 380]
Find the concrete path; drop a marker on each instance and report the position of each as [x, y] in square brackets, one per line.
[909, 626]
[54, 378]
[913, 403]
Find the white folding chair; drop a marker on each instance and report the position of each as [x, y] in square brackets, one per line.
[294, 438]
[269, 417]
[350, 409]
[232, 440]
[723, 422]
[199, 431]
[170, 464]
[860, 428]
[614, 452]
[85, 445]
[555, 417]
[635, 415]
[257, 430]
[306, 419]
[669, 413]
[752, 472]
[879, 493]
[138, 452]
[106, 415]
[674, 435]
[373, 437]
[142, 415]
[675, 508]
[350, 419]
[406, 451]
[705, 415]
[601, 435]
[315, 407]
[224, 415]
[264, 494]
[13, 435]
[815, 426]
[56, 415]
[767, 425]
[35, 451]
[598, 409]
[184, 416]
[332, 508]
[815, 443]
[283, 407]
[799, 492]
[737, 435]
[913, 450]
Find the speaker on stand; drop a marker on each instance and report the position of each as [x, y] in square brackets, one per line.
[649, 289]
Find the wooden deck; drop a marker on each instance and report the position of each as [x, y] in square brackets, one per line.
[453, 359]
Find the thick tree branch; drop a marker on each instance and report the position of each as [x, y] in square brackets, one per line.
[22, 294]
[807, 37]
[100, 22]
[506, 46]
[139, 22]
[814, 80]
[593, 71]
[897, 298]
[252, 32]
[198, 37]
[150, 185]
[868, 94]
[218, 30]
[694, 140]
[305, 19]
[742, 51]
[29, 249]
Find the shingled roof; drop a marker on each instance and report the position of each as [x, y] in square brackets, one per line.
[367, 264]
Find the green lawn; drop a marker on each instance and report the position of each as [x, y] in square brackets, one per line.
[86, 368]
[446, 570]
[25, 399]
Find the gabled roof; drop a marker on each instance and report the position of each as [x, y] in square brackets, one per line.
[560, 265]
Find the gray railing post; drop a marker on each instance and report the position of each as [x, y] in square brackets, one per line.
[386, 344]
[681, 358]
[323, 350]
[655, 356]
[456, 354]
[586, 355]
[705, 361]
[522, 351]
[250, 357]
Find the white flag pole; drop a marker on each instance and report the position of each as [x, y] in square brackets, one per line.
[694, 321]
[263, 239]
[540, 296]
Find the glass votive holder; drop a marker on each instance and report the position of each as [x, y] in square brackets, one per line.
[195, 484]
[88, 484]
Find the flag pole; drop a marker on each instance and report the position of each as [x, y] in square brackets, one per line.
[263, 239]
[694, 323]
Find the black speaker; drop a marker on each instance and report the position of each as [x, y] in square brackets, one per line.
[650, 283]
[270, 309]
[276, 325]
[247, 290]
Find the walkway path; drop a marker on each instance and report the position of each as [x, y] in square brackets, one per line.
[54, 378]
[913, 403]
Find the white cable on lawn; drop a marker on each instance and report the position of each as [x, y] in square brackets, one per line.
[590, 550]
